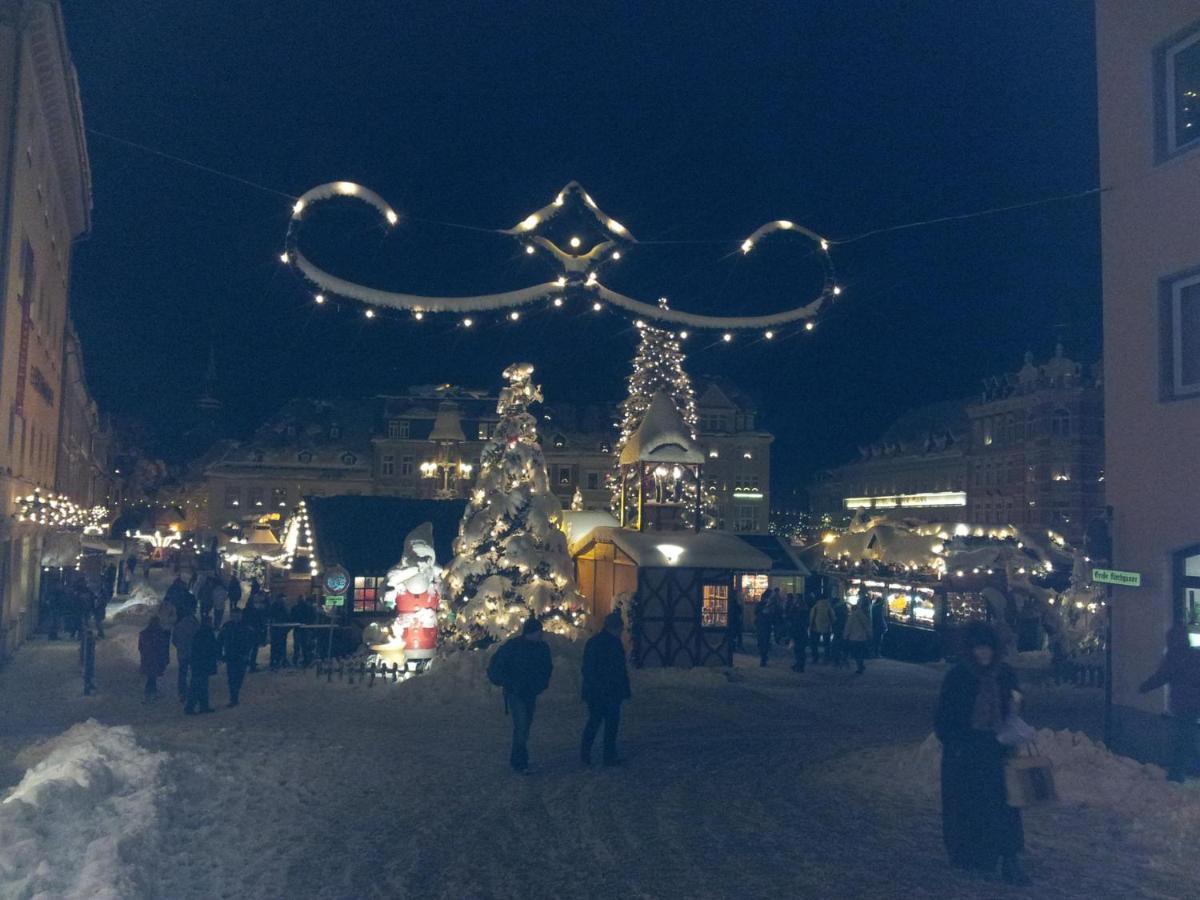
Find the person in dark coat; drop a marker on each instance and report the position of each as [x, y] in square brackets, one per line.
[841, 612]
[205, 653]
[736, 621]
[234, 589]
[878, 623]
[87, 654]
[605, 688]
[182, 636]
[797, 620]
[978, 826]
[522, 666]
[763, 617]
[185, 603]
[175, 591]
[255, 619]
[237, 639]
[154, 650]
[55, 601]
[303, 613]
[278, 613]
[1180, 671]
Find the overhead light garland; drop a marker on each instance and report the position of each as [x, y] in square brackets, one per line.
[579, 264]
[60, 512]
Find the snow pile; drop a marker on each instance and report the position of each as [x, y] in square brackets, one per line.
[80, 819]
[461, 675]
[141, 602]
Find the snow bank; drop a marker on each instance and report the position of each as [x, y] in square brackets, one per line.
[140, 604]
[460, 676]
[1161, 813]
[80, 819]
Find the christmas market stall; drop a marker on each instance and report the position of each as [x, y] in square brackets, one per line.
[675, 588]
[364, 537]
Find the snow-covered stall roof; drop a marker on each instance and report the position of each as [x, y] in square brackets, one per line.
[662, 437]
[887, 542]
[578, 525]
[784, 557]
[689, 550]
[365, 535]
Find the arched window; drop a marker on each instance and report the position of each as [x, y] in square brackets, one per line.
[1060, 423]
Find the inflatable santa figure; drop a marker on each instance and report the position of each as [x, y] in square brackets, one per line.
[415, 586]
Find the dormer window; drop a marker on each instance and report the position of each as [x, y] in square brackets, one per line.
[559, 442]
[304, 456]
[335, 432]
[397, 429]
[349, 459]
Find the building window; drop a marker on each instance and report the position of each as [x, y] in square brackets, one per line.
[406, 466]
[1060, 423]
[746, 518]
[564, 475]
[279, 497]
[304, 456]
[593, 481]
[485, 430]
[1178, 66]
[255, 497]
[559, 442]
[397, 428]
[366, 594]
[388, 465]
[233, 498]
[1181, 336]
[349, 459]
[714, 609]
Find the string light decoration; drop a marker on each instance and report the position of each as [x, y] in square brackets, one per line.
[59, 512]
[580, 263]
[510, 558]
[298, 540]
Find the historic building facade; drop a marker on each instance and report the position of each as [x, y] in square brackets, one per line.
[426, 443]
[1028, 451]
[1148, 63]
[45, 203]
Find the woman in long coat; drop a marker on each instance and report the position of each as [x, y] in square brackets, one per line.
[979, 827]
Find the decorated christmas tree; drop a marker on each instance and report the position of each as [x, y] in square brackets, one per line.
[510, 558]
[658, 366]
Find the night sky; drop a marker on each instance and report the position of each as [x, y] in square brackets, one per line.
[685, 121]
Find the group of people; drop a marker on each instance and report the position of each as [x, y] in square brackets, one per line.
[522, 667]
[74, 604]
[206, 626]
[831, 630]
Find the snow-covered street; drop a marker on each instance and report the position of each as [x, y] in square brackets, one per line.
[751, 782]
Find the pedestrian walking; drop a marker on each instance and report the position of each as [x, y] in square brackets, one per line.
[87, 654]
[256, 620]
[820, 628]
[99, 609]
[763, 617]
[797, 617]
[1180, 672]
[175, 591]
[220, 603]
[978, 826]
[736, 622]
[234, 590]
[841, 612]
[522, 667]
[56, 601]
[277, 615]
[154, 650]
[605, 688]
[237, 639]
[878, 624]
[206, 651]
[857, 634]
[182, 636]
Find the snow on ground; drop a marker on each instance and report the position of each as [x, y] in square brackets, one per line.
[746, 782]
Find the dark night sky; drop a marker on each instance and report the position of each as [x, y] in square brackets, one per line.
[684, 120]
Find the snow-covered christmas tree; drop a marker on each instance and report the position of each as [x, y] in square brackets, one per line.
[658, 366]
[510, 558]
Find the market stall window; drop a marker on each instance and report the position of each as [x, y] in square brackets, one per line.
[965, 606]
[367, 591]
[753, 586]
[925, 608]
[714, 610]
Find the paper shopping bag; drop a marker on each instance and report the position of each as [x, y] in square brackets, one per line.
[1029, 780]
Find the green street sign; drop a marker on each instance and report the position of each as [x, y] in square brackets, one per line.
[1116, 576]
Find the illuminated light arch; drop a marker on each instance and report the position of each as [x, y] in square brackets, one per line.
[579, 266]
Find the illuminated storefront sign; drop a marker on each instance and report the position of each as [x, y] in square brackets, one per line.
[910, 501]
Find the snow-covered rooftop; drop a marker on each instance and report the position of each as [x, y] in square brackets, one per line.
[689, 550]
[662, 437]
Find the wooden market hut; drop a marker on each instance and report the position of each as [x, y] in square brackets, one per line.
[365, 536]
[675, 589]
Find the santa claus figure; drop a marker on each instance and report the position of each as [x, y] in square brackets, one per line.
[414, 592]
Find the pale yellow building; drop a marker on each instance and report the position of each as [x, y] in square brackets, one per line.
[45, 203]
[1148, 62]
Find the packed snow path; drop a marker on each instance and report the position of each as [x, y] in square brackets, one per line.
[752, 783]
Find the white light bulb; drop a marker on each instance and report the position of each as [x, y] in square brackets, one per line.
[392, 217]
[514, 315]
[467, 323]
[320, 298]
[836, 290]
[283, 257]
[298, 208]
[597, 307]
[727, 337]
[809, 326]
[769, 335]
[370, 313]
[561, 281]
[575, 242]
[418, 315]
[824, 244]
[683, 335]
[616, 254]
[558, 301]
[747, 245]
[529, 249]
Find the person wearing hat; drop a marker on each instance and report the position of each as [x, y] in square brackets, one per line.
[605, 688]
[522, 667]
